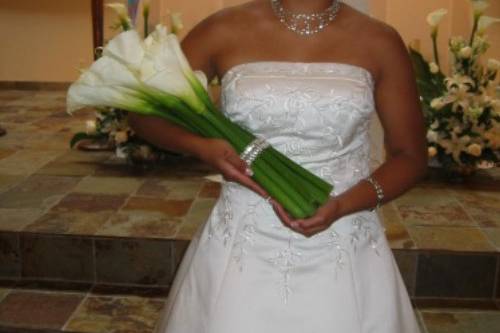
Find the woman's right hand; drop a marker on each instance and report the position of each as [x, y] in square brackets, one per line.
[219, 154]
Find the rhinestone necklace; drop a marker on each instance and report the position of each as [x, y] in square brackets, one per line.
[305, 24]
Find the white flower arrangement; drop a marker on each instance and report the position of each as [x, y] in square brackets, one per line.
[462, 109]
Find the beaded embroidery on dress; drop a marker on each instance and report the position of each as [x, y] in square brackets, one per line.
[244, 271]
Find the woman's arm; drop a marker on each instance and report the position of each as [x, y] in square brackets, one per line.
[398, 108]
[200, 47]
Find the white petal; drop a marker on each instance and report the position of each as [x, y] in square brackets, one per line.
[202, 78]
[485, 22]
[127, 47]
[436, 16]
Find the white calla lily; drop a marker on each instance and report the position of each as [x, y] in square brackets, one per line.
[485, 22]
[436, 17]
[479, 6]
[176, 21]
[127, 48]
[122, 12]
[107, 83]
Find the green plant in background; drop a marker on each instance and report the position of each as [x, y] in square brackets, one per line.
[462, 109]
[110, 128]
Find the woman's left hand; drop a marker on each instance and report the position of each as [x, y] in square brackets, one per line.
[321, 220]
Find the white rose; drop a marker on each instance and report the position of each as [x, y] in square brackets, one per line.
[474, 149]
[465, 52]
[432, 151]
[434, 68]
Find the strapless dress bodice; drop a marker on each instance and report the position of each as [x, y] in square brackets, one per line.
[317, 114]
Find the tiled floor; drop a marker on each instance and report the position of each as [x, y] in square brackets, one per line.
[100, 313]
[47, 188]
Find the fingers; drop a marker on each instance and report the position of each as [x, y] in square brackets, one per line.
[282, 214]
[231, 173]
[239, 164]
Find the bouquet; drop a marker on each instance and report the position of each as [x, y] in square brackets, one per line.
[110, 129]
[153, 77]
[462, 110]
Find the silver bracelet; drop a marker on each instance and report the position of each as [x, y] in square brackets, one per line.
[253, 150]
[378, 190]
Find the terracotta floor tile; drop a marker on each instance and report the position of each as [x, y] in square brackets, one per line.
[6, 153]
[466, 321]
[101, 314]
[396, 232]
[433, 207]
[483, 207]
[450, 238]
[7, 182]
[37, 191]
[72, 222]
[210, 190]
[108, 185]
[26, 161]
[173, 208]
[38, 309]
[144, 224]
[171, 189]
[493, 234]
[89, 203]
[14, 219]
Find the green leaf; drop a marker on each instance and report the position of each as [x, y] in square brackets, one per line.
[83, 136]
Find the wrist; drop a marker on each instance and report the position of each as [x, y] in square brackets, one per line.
[199, 148]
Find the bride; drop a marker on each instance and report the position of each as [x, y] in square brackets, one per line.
[305, 75]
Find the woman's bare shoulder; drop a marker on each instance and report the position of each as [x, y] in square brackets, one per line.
[381, 41]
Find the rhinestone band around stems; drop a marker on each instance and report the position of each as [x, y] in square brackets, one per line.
[378, 190]
[302, 23]
[253, 150]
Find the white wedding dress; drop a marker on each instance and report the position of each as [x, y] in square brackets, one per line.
[244, 271]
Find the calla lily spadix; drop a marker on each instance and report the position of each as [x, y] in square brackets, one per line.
[153, 77]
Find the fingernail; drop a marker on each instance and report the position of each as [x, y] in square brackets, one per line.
[249, 172]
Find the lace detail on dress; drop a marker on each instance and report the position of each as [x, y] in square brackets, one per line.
[245, 237]
[223, 228]
[286, 260]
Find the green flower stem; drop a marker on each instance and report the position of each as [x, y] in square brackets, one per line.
[275, 191]
[275, 170]
[310, 187]
[299, 170]
[474, 29]
[434, 46]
